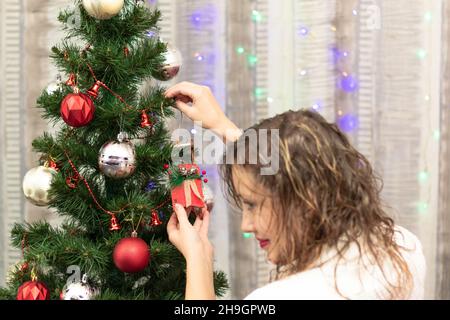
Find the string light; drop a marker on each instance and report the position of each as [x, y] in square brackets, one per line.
[422, 207]
[240, 50]
[259, 93]
[247, 235]
[421, 53]
[256, 16]
[252, 60]
[423, 176]
[436, 135]
[303, 31]
[428, 16]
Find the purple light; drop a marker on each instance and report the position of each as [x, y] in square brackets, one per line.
[317, 106]
[348, 123]
[199, 57]
[196, 19]
[349, 83]
[151, 33]
[303, 31]
[203, 16]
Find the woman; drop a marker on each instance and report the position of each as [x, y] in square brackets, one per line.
[320, 218]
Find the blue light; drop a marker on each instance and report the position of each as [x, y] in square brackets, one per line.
[349, 83]
[348, 123]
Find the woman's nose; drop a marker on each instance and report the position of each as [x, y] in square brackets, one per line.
[247, 224]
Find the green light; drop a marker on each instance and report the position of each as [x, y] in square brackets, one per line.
[421, 53]
[423, 176]
[247, 235]
[436, 135]
[422, 207]
[252, 60]
[256, 16]
[259, 93]
[240, 50]
[428, 16]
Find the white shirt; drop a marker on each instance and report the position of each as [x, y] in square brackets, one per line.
[355, 280]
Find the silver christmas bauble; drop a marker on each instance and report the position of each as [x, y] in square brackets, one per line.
[117, 159]
[208, 197]
[103, 9]
[79, 291]
[36, 184]
[53, 87]
[172, 64]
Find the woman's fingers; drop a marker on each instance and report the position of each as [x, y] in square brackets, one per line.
[172, 224]
[198, 223]
[181, 215]
[184, 88]
[205, 223]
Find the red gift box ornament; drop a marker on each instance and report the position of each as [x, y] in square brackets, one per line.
[189, 193]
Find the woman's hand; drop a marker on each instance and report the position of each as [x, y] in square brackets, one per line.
[192, 241]
[204, 109]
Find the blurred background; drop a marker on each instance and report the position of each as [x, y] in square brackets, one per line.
[379, 68]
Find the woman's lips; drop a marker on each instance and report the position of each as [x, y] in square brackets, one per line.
[263, 243]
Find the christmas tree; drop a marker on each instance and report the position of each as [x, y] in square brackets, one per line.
[108, 169]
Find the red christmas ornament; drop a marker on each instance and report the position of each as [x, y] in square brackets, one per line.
[190, 193]
[114, 224]
[203, 172]
[166, 166]
[205, 180]
[52, 164]
[131, 254]
[33, 290]
[93, 92]
[126, 51]
[155, 219]
[71, 81]
[77, 109]
[145, 122]
[72, 182]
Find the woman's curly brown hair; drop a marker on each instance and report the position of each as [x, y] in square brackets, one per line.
[325, 193]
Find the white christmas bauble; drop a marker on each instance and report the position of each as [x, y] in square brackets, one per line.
[36, 185]
[103, 9]
[79, 291]
[117, 159]
[171, 66]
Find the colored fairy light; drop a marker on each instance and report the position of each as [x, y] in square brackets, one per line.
[317, 106]
[348, 123]
[422, 207]
[203, 16]
[247, 235]
[355, 12]
[252, 60]
[423, 176]
[259, 93]
[427, 98]
[421, 53]
[199, 56]
[303, 31]
[348, 83]
[256, 16]
[428, 16]
[151, 33]
[436, 135]
[240, 50]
